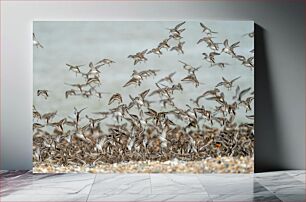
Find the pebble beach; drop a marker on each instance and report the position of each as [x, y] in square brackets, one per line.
[209, 165]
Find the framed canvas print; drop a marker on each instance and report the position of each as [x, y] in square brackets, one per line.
[143, 96]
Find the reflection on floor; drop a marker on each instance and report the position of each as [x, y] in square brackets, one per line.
[272, 186]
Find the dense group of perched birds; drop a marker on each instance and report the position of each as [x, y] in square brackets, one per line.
[140, 131]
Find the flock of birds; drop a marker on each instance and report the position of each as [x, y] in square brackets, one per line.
[141, 132]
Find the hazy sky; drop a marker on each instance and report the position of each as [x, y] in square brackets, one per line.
[84, 42]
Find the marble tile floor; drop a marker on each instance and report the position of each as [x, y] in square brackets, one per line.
[271, 186]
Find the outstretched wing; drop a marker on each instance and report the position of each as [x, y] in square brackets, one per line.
[242, 93]
[178, 25]
[202, 25]
[235, 79]
[144, 93]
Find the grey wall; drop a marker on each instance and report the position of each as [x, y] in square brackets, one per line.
[280, 62]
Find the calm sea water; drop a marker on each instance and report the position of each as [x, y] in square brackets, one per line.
[85, 42]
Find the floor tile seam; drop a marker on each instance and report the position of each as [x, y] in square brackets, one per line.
[91, 187]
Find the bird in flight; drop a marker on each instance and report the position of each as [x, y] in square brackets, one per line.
[36, 43]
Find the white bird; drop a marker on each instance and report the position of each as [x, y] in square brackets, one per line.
[36, 42]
